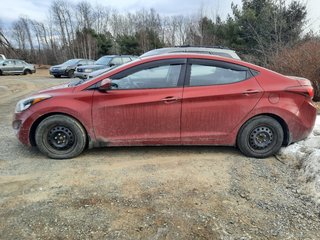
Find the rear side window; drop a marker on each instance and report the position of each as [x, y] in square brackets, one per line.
[217, 74]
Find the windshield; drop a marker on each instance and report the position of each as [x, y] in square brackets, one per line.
[103, 61]
[78, 82]
[70, 62]
[153, 52]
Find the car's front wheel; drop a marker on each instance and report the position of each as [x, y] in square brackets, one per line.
[26, 71]
[260, 137]
[60, 137]
[71, 73]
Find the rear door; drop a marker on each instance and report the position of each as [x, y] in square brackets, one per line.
[217, 96]
[19, 66]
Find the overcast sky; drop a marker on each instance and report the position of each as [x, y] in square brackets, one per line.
[38, 9]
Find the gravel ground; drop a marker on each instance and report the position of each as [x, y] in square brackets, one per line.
[144, 193]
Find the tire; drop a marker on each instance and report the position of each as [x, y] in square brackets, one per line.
[260, 137]
[27, 71]
[0, 73]
[71, 73]
[57, 76]
[60, 137]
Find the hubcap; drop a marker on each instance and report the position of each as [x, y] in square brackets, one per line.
[61, 138]
[261, 138]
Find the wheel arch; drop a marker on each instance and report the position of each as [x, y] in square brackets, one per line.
[280, 120]
[36, 123]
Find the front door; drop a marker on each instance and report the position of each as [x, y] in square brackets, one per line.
[143, 106]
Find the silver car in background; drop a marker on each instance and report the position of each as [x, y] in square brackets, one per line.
[16, 66]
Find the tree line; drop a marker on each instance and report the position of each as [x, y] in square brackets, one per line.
[257, 30]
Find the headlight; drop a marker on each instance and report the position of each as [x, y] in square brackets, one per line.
[24, 104]
[88, 70]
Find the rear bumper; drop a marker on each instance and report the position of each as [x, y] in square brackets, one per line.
[302, 126]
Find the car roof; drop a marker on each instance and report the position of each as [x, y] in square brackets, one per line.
[217, 50]
[196, 56]
[12, 59]
[118, 56]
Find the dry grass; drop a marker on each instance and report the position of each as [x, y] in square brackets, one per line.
[317, 105]
[303, 60]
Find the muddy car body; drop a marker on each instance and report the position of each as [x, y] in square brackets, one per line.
[174, 99]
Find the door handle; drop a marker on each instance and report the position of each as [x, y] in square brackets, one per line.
[251, 92]
[170, 99]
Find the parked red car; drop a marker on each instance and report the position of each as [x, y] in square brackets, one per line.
[174, 99]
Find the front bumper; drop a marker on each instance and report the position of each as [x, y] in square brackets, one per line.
[21, 125]
[58, 72]
[82, 75]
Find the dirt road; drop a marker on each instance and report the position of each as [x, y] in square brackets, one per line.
[144, 193]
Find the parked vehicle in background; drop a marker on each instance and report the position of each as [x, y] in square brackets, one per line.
[68, 68]
[2, 57]
[215, 50]
[16, 66]
[172, 99]
[104, 62]
[99, 72]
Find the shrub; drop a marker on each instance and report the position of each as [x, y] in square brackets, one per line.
[303, 60]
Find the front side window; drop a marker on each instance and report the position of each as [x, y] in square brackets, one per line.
[116, 61]
[166, 76]
[126, 59]
[9, 62]
[203, 75]
[103, 61]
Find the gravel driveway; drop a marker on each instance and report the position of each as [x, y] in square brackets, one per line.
[144, 192]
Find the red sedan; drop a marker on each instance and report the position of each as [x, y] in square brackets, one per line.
[174, 99]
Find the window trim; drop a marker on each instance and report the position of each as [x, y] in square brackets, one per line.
[214, 63]
[157, 63]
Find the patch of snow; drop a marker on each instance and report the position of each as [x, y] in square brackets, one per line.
[305, 155]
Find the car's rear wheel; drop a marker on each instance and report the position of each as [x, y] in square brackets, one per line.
[57, 76]
[260, 137]
[60, 137]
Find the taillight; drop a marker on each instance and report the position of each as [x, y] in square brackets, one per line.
[303, 90]
[311, 92]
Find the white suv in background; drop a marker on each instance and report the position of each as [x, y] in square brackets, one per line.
[214, 50]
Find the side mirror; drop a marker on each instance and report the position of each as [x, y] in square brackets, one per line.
[111, 64]
[4, 64]
[105, 85]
